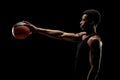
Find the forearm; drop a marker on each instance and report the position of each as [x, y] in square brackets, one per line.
[50, 33]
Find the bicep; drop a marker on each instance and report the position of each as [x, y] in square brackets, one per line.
[72, 37]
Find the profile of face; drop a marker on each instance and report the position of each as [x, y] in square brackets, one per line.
[85, 24]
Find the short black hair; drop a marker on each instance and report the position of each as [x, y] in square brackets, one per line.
[94, 15]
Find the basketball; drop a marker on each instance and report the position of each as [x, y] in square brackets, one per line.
[20, 31]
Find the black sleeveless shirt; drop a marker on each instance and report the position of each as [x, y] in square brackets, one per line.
[82, 66]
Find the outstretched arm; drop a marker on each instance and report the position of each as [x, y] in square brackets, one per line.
[94, 58]
[57, 34]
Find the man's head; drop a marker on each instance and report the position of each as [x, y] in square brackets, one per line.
[90, 18]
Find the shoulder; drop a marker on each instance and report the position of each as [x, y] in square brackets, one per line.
[94, 41]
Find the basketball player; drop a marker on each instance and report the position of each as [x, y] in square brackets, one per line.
[89, 52]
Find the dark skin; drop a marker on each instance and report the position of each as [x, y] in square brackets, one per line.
[94, 42]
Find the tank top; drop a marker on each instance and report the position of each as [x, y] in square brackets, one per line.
[82, 66]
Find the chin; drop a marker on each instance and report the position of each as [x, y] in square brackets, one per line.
[83, 29]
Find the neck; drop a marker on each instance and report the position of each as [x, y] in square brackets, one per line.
[92, 30]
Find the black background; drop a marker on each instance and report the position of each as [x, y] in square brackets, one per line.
[41, 57]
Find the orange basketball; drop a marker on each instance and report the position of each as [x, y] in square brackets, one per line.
[21, 32]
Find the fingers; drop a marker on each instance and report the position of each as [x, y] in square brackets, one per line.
[28, 24]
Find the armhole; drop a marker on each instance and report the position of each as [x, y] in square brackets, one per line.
[80, 38]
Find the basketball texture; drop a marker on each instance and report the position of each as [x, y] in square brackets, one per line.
[21, 32]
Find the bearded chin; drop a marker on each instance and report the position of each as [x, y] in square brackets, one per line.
[85, 27]
[82, 28]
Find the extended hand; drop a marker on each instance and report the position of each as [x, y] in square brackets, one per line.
[32, 27]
